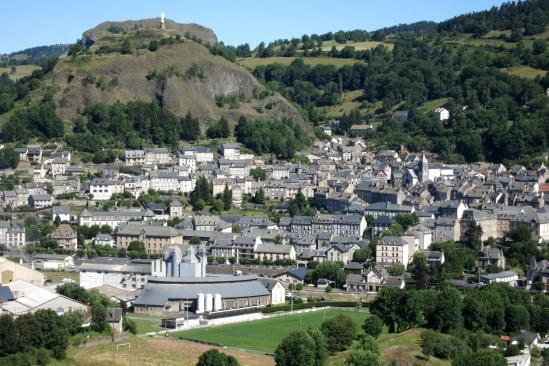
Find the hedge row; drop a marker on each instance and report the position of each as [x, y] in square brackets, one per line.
[310, 305]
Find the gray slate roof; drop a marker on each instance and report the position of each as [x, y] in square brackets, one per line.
[157, 292]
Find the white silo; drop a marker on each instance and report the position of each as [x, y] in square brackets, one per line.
[209, 302]
[200, 304]
[218, 304]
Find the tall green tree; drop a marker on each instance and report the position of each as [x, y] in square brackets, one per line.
[419, 269]
[480, 358]
[473, 236]
[339, 332]
[359, 357]
[202, 193]
[373, 326]
[190, 128]
[227, 198]
[447, 312]
[297, 349]
[213, 357]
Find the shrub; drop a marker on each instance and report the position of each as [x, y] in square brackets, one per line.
[373, 326]
[340, 332]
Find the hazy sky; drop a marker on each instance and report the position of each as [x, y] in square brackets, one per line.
[28, 23]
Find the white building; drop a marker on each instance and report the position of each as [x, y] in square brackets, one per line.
[442, 113]
[508, 277]
[394, 249]
[171, 182]
[12, 235]
[121, 273]
[137, 185]
[187, 160]
[230, 151]
[201, 153]
[134, 157]
[56, 262]
[112, 218]
[40, 201]
[157, 155]
[59, 166]
[176, 209]
[102, 189]
[63, 212]
[277, 290]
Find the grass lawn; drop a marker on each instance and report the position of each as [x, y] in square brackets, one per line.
[264, 335]
[359, 46]
[150, 352]
[252, 62]
[147, 325]
[403, 348]
[525, 71]
[56, 276]
[431, 105]
[350, 102]
[20, 71]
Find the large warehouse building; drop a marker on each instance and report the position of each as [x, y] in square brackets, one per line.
[180, 284]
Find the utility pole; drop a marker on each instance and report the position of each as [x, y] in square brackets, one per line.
[291, 297]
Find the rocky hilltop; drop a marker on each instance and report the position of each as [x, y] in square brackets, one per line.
[180, 72]
[171, 27]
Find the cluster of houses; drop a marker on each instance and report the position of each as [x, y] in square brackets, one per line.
[209, 265]
[358, 195]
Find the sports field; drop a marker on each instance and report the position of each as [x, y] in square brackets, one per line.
[264, 335]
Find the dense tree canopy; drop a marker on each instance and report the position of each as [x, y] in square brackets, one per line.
[339, 332]
[213, 357]
[280, 138]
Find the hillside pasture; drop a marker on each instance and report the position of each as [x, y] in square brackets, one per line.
[20, 71]
[252, 62]
[525, 71]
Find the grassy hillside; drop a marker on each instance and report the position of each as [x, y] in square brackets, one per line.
[252, 62]
[20, 71]
[196, 78]
[525, 71]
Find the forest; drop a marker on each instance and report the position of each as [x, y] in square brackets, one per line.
[495, 115]
[532, 16]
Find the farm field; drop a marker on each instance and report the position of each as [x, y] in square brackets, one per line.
[525, 71]
[252, 62]
[359, 46]
[20, 71]
[264, 335]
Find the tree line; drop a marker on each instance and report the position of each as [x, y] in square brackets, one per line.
[35, 338]
[532, 16]
[281, 138]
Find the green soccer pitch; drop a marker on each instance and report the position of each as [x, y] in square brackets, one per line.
[264, 335]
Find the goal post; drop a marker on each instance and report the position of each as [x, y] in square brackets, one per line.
[123, 345]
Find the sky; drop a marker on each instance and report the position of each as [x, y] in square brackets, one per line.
[29, 23]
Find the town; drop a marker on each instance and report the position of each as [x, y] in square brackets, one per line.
[128, 227]
[340, 199]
